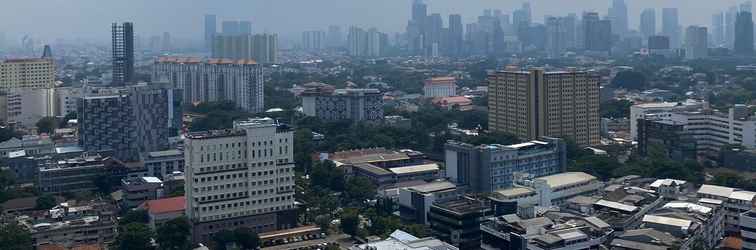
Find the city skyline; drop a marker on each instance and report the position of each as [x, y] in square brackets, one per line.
[266, 16]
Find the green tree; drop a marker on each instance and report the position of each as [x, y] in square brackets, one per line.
[135, 236]
[350, 221]
[359, 189]
[223, 238]
[6, 133]
[633, 80]
[15, 237]
[135, 216]
[246, 239]
[45, 202]
[47, 125]
[174, 234]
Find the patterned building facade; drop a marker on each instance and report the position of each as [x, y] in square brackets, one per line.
[129, 120]
[344, 104]
[240, 81]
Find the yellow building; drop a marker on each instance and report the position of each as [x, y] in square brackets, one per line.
[534, 103]
[27, 74]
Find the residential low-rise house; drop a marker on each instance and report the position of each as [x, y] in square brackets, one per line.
[734, 200]
[30, 144]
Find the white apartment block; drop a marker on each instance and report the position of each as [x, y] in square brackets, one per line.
[660, 109]
[735, 202]
[748, 230]
[27, 74]
[712, 129]
[241, 177]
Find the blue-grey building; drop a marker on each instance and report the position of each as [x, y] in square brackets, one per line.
[129, 120]
[344, 104]
[486, 168]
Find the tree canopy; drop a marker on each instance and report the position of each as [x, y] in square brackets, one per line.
[15, 237]
[174, 234]
[135, 236]
[632, 80]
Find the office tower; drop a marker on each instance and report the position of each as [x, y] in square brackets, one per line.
[313, 40]
[47, 52]
[27, 74]
[521, 19]
[239, 81]
[597, 33]
[130, 120]
[416, 28]
[166, 42]
[744, 34]
[344, 104]
[456, 35]
[434, 26]
[696, 42]
[746, 6]
[211, 27]
[123, 53]
[556, 34]
[718, 29]
[648, 23]
[242, 177]
[730, 18]
[671, 26]
[335, 37]
[230, 28]
[245, 28]
[618, 16]
[377, 43]
[535, 103]
[357, 42]
[570, 25]
[262, 48]
[487, 168]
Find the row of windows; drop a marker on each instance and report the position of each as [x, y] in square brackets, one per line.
[235, 205]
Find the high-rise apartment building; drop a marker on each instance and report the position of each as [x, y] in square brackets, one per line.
[556, 36]
[129, 120]
[313, 40]
[730, 18]
[344, 104]
[335, 36]
[671, 26]
[211, 26]
[240, 81]
[696, 42]
[230, 28]
[242, 177]
[370, 43]
[416, 28]
[262, 48]
[123, 53]
[27, 74]
[718, 29]
[744, 34]
[618, 16]
[648, 23]
[455, 37]
[535, 103]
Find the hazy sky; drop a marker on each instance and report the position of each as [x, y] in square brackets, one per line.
[48, 19]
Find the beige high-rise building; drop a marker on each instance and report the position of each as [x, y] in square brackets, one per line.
[27, 74]
[534, 103]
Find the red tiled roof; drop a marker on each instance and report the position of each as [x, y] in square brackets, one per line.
[166, 205]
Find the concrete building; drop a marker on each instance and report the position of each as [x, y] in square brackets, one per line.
[403, 240]
[31, 145]
[383, 177]
[457, 222]
[648, 23]
[344, 104]
[747, 224]
[660, 109]
[71, 225]
[123, 53]
[70, 175]
[535, 103]
[546, 191]
[734, 201]
[27, 74]
[486, 168]
[696, 42]
[672, 136]
[66, 99]
[440, 87]
[138, 190]
[163, 163]
[162, 210]
[25, 107]
[129, 120]
[743, 45]
[552, 231]
[262, 48]
[415, 201]
[314, 40]
[242, 177]
[239, 81]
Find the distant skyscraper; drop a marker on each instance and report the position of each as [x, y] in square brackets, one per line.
[123, 53]
[357, 42]
[570, 25]
[211, 27]
[434, 26]
[335, 36]
[47, 52]
[262, 48]
[313, 40]
[377, 43]
[556, 34]
[245, 27]
[648, 22]
[416, 28]
[597, 32]
[671, 26]
[167, 44]
[231, 28]
[746, 6]
[718, 29]
[456, 35]
[730, 17]
[744, 34]
[618, 16]
[696, 42]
